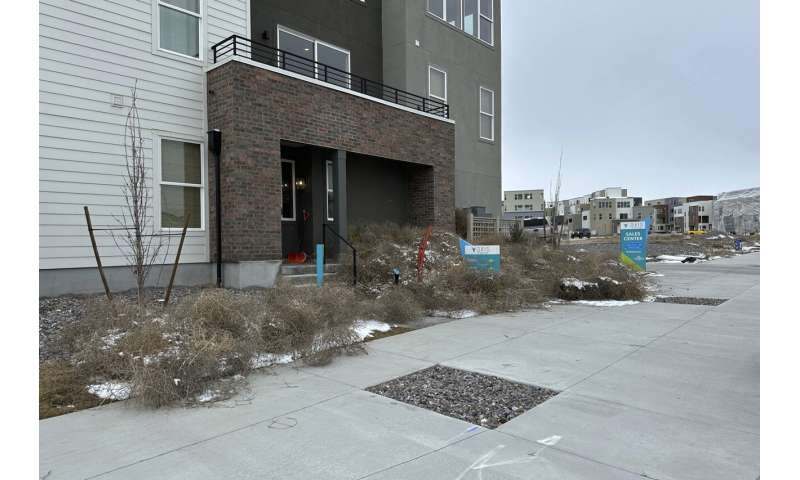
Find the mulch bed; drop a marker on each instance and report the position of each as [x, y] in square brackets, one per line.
[473, 397]
[692, 300]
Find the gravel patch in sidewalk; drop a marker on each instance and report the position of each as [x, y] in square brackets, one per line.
[473, 397]
[692, 300]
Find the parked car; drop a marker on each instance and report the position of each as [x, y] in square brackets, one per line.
[581, 233]
[697, 232]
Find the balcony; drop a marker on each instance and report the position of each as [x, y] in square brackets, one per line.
[236, 46]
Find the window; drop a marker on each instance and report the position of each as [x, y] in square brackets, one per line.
[330, 200]
[182, 184]
[179, 23]
[437, 83]
[517, 196]
[486, 114]
[623, 216]
[528, 196]
[287, 190]
[473, 17]
[303, 51]
[486, 22]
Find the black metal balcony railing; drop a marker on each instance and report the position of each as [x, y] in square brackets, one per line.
[259, 52]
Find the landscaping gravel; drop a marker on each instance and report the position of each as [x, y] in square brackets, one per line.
[692, 300]
[57, 312]
[473, 397]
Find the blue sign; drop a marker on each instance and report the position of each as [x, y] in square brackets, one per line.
[633, 244]
[462, 244]
[482, 257]
[320, 264]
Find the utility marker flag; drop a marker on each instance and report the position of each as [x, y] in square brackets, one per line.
[633, 245]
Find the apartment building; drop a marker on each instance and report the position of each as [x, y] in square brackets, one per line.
[517, 201]
[664, 215]
[321, 107]
[451, 50]
[695, 214]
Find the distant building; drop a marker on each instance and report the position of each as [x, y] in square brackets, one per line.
[516, 201]
[695, 214]
[664, 220]
[738, 211]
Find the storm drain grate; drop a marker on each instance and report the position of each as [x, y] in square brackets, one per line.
[473, 397]
[692, 300]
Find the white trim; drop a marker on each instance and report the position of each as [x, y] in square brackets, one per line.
[329, 188]
[320, 83]
[293, 218]
[433, 67]
[157, 181]
[490, 19]
[201, 30]
[481, 113]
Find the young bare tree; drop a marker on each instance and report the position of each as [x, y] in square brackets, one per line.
[555, 196]
[136, 239]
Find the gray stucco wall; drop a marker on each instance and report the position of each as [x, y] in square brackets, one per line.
[469, 64]
[377, 190]
[349, 24]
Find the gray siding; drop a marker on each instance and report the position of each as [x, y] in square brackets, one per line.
[90, 51]
[470, 64]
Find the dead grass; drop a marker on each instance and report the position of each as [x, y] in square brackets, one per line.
[173, 354]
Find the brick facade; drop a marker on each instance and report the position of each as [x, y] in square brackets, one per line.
[256, 108]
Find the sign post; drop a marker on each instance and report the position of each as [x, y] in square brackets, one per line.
[633, 245]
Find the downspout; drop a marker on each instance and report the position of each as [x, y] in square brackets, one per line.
[215, 146]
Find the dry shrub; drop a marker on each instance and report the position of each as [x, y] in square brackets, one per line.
[397, 305]
[312, 324]
[461, 222]
[62, 389]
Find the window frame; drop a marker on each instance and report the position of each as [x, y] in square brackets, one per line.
[316, 42]
[157, 174]
[293, 218]
[201, 21]
[441, 70]
[491, 22]
[329, 189]
[481, 113]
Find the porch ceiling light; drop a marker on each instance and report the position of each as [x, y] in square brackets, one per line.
[300, 184]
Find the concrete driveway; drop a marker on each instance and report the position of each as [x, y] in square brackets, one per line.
[653, 390]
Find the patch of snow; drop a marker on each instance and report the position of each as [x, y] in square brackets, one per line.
[750, 248]
[574, 282]
[607, 303]
[609, 279]
[457, 314]
[572, 259]
[262, 360]
[365, 328]
[679, 258]
[208, 396]
[110, 340]
[110, 390]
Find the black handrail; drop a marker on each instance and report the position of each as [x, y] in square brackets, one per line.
[327, 226]
[235, 45]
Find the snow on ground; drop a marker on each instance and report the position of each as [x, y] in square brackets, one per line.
[456, 314]
[574, 282]
[678, 258]
[365, 328]
[110, 390]
[606, 303]
[262, 360]
[110, 340]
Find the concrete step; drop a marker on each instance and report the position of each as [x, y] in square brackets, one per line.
[306, 268]
[303, 279]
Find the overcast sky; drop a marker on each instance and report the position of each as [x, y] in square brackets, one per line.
[660, 96]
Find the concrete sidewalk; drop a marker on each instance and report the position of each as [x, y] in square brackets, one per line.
[651, 390]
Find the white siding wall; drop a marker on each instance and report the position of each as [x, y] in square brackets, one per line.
[90, 50]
